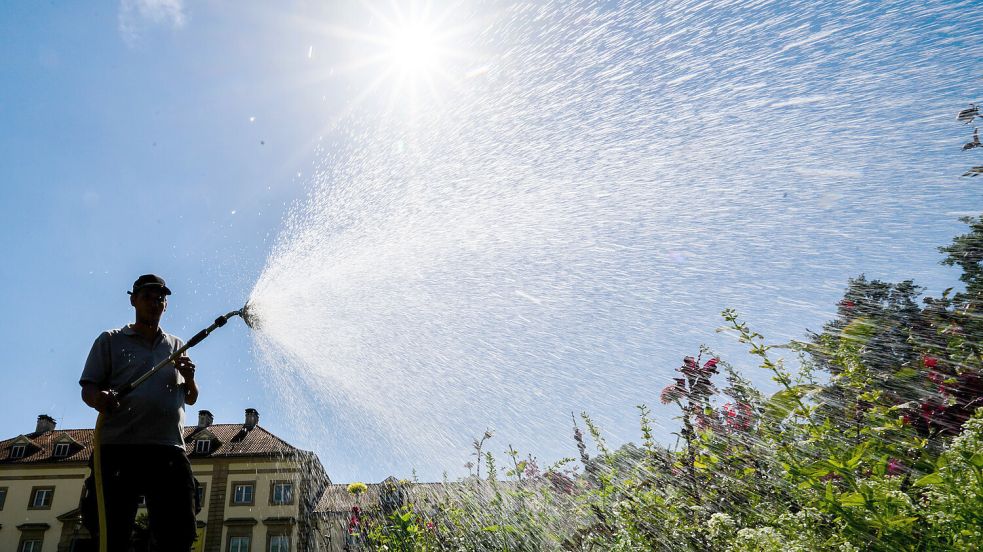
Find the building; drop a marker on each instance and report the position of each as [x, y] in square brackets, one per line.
[258, 492]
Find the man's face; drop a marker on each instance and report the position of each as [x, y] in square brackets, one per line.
[149, 303]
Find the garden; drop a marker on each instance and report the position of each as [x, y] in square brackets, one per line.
[873, 441]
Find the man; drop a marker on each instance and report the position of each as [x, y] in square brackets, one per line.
[142, 434]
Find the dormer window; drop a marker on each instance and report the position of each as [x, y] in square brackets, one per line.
[18, 451]
[203, 446]
[61, 450]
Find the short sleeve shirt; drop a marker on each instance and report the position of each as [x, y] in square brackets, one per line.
[153, 413]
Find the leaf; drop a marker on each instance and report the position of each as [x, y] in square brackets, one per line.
[977, 460]
[829, 491]
[858, 454]
[490, 528]
[930, 479]
[782, 403]
[699, 465]
[852, 499]
[860, 330]
[906, 373]
[899, 522]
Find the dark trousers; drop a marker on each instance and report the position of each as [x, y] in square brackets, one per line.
[160, 473]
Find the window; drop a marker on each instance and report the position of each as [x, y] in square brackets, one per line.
[18, 451]
[203, 446]
[282, 492]
[3, 496]
[33, 545]
[279, 543]
[200, 494]
[41, 498]
[61, 450]
[142, 500]
[244, 493]
[238, 544]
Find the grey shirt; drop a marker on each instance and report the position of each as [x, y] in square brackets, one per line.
[153, 413]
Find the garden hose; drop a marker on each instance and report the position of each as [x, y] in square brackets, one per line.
[125, 390]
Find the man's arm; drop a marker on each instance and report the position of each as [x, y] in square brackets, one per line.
[97, 369]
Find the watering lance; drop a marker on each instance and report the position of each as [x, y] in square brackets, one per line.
[198, 338]
[126, 389]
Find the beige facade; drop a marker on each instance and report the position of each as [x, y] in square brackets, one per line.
[259, 493]
[26, 517]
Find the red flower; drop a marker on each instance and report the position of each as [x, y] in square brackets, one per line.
[847, 304]
[738, 417]
[690, 367]
[929, 362]
[894, 466]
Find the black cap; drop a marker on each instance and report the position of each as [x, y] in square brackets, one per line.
[149, 280]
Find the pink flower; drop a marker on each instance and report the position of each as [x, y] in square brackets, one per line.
[894, 466]
[673, 392]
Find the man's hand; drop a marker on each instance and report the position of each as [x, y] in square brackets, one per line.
[186, 368]
[187, 371]
[102, 400]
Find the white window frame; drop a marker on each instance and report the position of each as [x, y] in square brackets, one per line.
[31, 545]
[18, 451]
[282, 486]
[203, 446]
[42, 494]
[239, 544]
[243, 499]
[279, 543]
[61, 449]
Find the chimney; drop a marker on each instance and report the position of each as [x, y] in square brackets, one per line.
[205, 418]
[252, 418]
[45, 423]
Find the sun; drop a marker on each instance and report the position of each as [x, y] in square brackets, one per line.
[414, 50]
[409, 53]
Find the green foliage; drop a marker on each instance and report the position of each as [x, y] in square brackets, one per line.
[886, 453]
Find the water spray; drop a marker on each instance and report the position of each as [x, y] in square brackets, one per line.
[250, 321]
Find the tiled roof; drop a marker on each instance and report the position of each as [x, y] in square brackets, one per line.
[44, 451]
[233, 440]
[236, 440]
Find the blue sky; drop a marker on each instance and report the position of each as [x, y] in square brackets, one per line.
[129, 149]
[171, 137]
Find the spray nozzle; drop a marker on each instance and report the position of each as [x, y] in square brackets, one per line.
[243, 313]
[247, 317]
